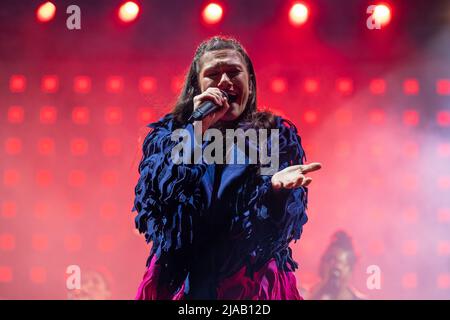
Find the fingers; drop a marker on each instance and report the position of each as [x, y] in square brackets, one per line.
[302, 181]
[277, 185]
[310, 167]
[306, 182]
[212, 94]
[218, 114]
[299, 181]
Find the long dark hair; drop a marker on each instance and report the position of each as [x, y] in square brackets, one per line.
[184, 106]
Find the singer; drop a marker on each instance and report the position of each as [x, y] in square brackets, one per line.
[220, 231]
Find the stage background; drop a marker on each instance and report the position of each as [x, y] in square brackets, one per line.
[371, 105]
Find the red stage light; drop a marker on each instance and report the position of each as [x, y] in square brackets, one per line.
[43, 178]
[74, 210]
[212, 13]
[376, 247]
[7, 242]
[278, 85]
[38, 275]
[41, 210]
[112, 147]
[46, 12]
[409, 280]
[113, 115]
[108, 210]
[128, 11]
[310, 116]
[6, 274]
[443, 87]
[17, 83]
[79, 147]
[11, 177]
[443, 215]
[410, 215]
[344, 116]
[147, 84]
[80, 115]
[114, 84]
[15, 114]
[444, 182]
[105, 243]
[443, 281]
[443, 248]
[443, 118]
[13, 146]
[48, 115]
[343, 149]
[82, 84]
[411, 87]
[9, 209]
[344, 85]
[145, 115]
[382, 14]
[39, 242]
[298, 14]
[411, 118]
[311, 85]
[109, 178]
[49, 84]
[377, 86]
[72, 242]
[410, 182]
[46, 146]
[77, 178]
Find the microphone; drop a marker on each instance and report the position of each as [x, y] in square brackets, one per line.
[205, 108]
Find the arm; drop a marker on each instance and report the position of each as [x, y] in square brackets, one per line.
[277, 210]
[163, 186]
[286, 191]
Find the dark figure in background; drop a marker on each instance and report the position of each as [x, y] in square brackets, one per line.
[336, 267]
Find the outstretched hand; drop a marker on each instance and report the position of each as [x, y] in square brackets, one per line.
[294, 176]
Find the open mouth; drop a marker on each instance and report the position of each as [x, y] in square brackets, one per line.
[232, 97]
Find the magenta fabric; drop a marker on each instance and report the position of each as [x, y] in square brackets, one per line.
[269, 283]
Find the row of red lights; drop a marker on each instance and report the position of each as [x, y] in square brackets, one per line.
[77, 178]
[148, 84]
[80, 115]
[38, 275]
[112, 147]
[72, 242]
[114, 116]
[213, 13]
[75, 210]
[78, 146]
[408, 280]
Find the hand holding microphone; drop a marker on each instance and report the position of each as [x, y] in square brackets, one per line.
[209, 107]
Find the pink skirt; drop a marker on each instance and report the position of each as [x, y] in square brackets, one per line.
[269, 283]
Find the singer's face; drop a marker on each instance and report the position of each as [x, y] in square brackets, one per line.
[226, 70]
